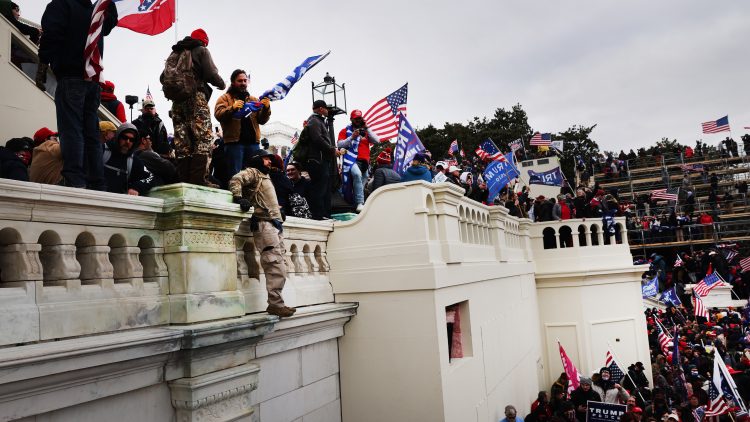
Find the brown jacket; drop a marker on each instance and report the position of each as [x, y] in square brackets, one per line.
[230, 126]
[47, 163]
[257, 188]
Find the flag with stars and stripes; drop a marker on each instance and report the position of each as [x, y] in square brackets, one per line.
[148, 97]
[700, 310]
[716, 126]
[541, 139]
[615, 372]
[668, 194]
[745, 264]
[488, 151]
[717, 405]
[678, 262]
[281, 89]
[729, 254]
[295, 138]
[92, 56]
[665, 341]
[707, 284]
[382, 117]
[453, 147]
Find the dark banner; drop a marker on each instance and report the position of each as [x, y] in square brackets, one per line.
[604, 412]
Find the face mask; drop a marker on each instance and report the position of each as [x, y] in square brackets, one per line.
[605, 377]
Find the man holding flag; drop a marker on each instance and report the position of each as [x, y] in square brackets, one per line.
[241, 131]
[357, 139]
[72, 44]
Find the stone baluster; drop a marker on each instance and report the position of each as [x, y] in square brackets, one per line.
[310, 261]
[154, 268]
[127, 266]
[242, 270]
[95, 265]
[20, 262]
[60, 266]
[297, 261]
[322, 259]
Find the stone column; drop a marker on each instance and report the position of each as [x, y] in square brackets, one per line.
[447, 198]
[20, 267]
[95, 265]
[498, 214]
[199, 225]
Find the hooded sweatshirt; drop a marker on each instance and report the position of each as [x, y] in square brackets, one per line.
[417, 173]
[125, 171]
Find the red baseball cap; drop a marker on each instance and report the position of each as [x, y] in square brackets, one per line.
[356, 114]
[42, 134]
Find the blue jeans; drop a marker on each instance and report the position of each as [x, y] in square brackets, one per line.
[237, 155]
[77, 102]
[358, 185]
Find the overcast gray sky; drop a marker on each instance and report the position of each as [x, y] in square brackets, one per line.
[640, 69]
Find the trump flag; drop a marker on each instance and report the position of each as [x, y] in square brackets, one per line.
[498, 174]
[150, 17]
[407, 146]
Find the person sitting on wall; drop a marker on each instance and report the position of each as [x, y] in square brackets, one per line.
[47, 163]
[125, 173]
[15, 157]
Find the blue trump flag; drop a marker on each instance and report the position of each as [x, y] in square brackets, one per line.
[552, 177]
[670, 296]
[651, 288]
[281, 89]
[407, 146]
[498, 174]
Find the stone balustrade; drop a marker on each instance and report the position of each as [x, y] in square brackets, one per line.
[75, 262]
[569, 245]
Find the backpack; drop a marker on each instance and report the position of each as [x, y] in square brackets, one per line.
[301, 150]
[179, 82]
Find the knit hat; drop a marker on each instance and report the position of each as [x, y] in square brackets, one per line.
[108, 86]
[42, 135]
[384, 158]
[19, 144]
[200, 35]
[105, 126]
[584, 380]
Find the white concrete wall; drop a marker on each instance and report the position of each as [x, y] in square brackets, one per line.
[589, 300]
[415, 249]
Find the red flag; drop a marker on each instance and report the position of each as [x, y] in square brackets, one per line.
[570, 369]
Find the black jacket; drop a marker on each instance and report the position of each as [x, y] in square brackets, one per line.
[11, 167]
[116, 171]
[6, 10]
[284, 188]
[384, 175]
[164, 171]
[65, 27]
[154, 127]
[319, 139]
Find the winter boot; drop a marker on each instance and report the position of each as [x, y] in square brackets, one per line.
[183, 169]
[199, 171]
[280, 311]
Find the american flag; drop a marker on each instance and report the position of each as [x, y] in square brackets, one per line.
[700, 310]
[615, 373]
[745, 264]
[729, 254]
[295, 138]
[93, 57]
[717, 405]
[382, 117]
[541, 139]
[453, 148]
[516, 145]
[716, 126]
[698, 413]
[707, 284]
[668, 194]
[691, 168]
[678, 262]
[488, 151]
[148, 97]
[665, 341]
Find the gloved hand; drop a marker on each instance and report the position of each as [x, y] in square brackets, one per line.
[266, 102]
[41, 76]
[246, 109]
[238, 104]
[244, 203]
[278, 225]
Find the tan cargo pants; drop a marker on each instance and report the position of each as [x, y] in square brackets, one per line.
[270, 243]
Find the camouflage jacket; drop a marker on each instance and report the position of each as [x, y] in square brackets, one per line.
[257, 188]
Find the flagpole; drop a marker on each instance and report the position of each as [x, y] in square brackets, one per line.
[176, 20]
[627, 373]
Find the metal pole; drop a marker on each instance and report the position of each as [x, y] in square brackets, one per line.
[176, 20]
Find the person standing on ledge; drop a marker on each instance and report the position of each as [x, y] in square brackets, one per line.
[252, 187]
